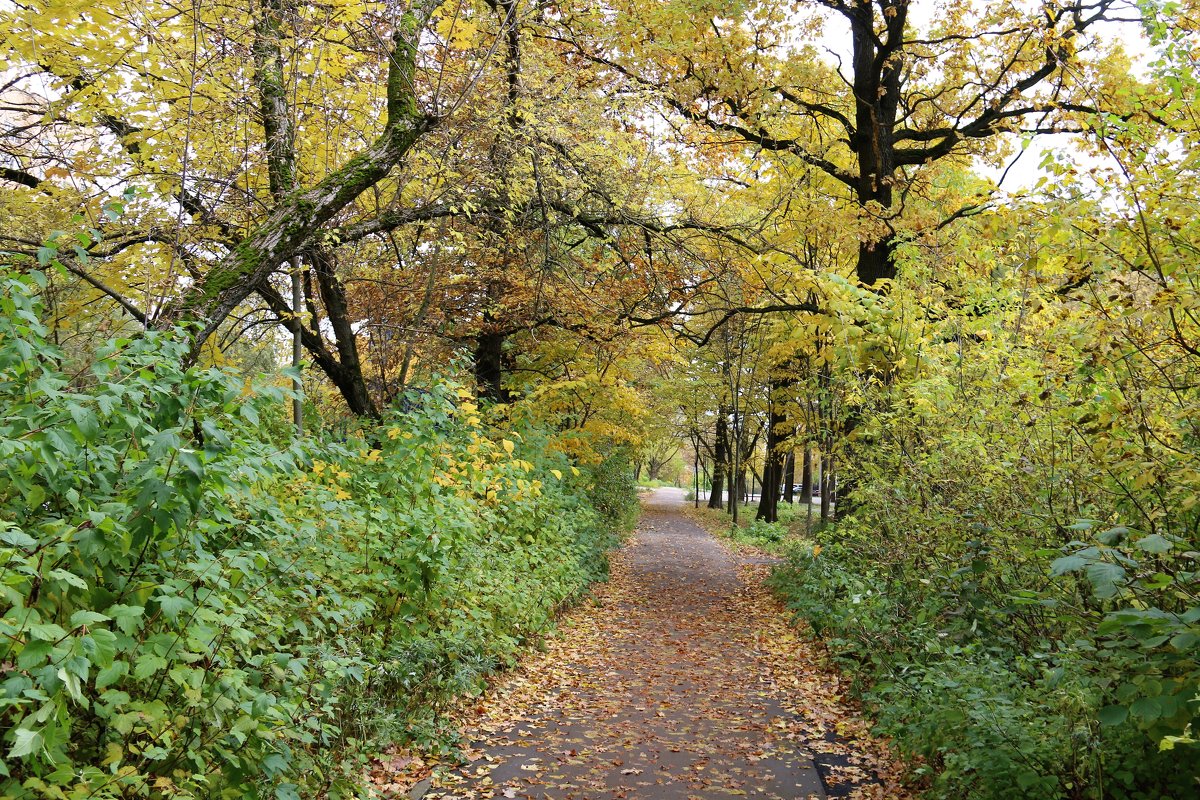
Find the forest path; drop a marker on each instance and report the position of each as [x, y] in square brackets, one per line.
[682, 681]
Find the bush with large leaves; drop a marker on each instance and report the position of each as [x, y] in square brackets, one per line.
[196, 605]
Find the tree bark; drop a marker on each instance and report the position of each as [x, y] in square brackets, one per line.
[489, 367]
[806, 477]
[789, 476]
[877, 64]
[777, 439]
[826, 487]
[720, 457]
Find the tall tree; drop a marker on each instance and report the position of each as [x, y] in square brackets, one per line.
[902, 100]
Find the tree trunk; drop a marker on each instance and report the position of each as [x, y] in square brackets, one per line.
[349, 380]
[489, 367]
[789, 476]
[337, 308]
[720, 456]
[826, 487]
[877, 75]
[876, 261]
[297, 350]
[777, 439]
[806, 477]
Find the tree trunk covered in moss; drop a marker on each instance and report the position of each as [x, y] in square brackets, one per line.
[294, 224]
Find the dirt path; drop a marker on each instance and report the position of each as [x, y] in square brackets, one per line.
[672, 686]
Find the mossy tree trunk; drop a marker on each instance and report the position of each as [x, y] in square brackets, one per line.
[295, 223]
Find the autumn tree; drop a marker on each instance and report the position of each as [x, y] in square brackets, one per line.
[905, 97]
[476, 194]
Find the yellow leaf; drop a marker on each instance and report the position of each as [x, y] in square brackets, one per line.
[507, 445]
[816, 550]
[556, 474]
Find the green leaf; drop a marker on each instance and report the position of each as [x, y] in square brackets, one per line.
[47, 631]
[1154, 543]
[72, 682]
[1113, 536]
[1104, 578]
[101, 645]
[1061, 566]
[85, 421]
[1147, 708]
[1027, 779]
[1113, 715]
[88, 618]
[249, 413]
[71, 579]
[147, 665]
[18, 539]
[191, 462]
[173, 606]
[127, 618]
[1184, 641]
[25, 742]
[34, 654]
[110, 675]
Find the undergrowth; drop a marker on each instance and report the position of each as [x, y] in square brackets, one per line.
[197, 605]
[955, 678]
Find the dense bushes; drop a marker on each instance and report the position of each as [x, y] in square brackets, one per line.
[1015, 589]
[951, 678]
[193, 606]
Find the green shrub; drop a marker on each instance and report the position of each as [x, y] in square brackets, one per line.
[193, 607]
[612, 489]
[983, 715]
